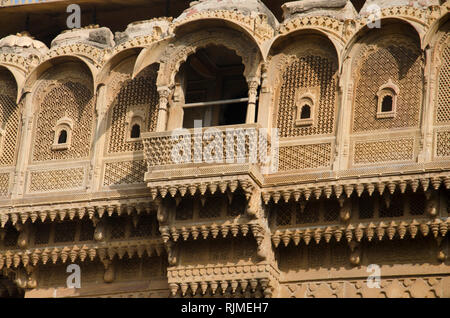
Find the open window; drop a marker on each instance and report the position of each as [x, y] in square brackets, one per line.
[387, 100]
[63, 134]
[306, 105]
[215, 89]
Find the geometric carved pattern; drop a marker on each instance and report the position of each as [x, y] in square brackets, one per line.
[52, 180]
[307, 72]
[133, 93]
[9, 119]
[400, 64]
[65, 99]
[4, 184]
[305, 157]
[418, 287]
[125, 172]
[158, 149]
[384, 151]
[443, 103]
[443, 144]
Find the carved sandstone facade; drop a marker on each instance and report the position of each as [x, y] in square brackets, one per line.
[87, 174]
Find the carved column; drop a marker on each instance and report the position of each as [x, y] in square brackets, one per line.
[164, 93]
[99, 139]
[253, 85]
[265, 100]
[24, 147]
[343, 121]
[426, 142]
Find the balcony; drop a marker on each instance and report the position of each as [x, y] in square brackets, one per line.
[206, 156]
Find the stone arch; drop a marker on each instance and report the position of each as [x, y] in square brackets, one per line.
[39, 71]
[19, 78]
[365, 32]
[113, 61]
[64, 90]
[180, 49]
[259, 39]
[434, 28]
[329, 37]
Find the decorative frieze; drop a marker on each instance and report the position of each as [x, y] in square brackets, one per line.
[383, 230]
[347, 187]
[82, 253]
[72, 211]
[232, 279]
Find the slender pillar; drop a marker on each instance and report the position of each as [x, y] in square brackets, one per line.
[24, 147]
[164, 93]
[253, 85]
[426, 141]
[99, 139]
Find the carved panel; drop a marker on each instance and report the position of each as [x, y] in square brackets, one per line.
[384, 151]
[305, 157]
[443, 144]
[127, 97]
[395, 59]
[70, 97]
[307, 71]
[124, 172]
[414, 287]
[4, 184]
[9, 119]
[443, 101]
[56, 180]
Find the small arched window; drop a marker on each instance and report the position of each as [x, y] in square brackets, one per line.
[387, 100]
[63, 134]
[62, 139]
[136, 131]
[306, 112]
[136, 122]
[306, 101]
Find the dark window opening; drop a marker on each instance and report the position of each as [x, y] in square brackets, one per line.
[62, 139]
[185, 210]
[136, 131]
[306, 112]
[11, 236]
[358, 4]
[65, 231]
[214, 77]
[386, 105]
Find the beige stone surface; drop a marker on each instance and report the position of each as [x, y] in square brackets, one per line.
[87, 174]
